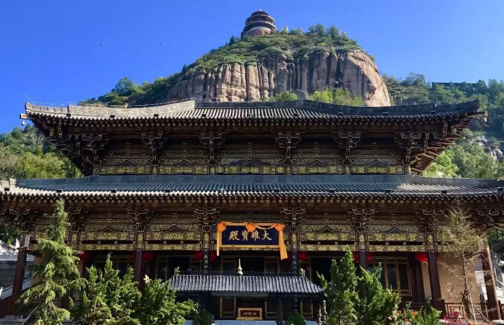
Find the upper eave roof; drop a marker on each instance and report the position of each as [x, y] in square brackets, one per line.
[253, 186]
[289, 110]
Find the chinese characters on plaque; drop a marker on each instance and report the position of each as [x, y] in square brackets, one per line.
[240, 236]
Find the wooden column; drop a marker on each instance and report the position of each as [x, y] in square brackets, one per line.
[139, 268]
[363, 259]
[360, 224]
[293, 218]
[434, 281]
[418, 281]
[17, 288]
[492, 301]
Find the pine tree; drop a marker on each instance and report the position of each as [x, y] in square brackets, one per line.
[159, 307]
[377, 305]
[341, 291]
[58, 274]
[107, 298]
[92, 307]
[358, 300]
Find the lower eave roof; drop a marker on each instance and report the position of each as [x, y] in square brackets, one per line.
[229, 285]
[251, 185]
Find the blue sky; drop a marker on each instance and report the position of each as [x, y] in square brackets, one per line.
[51, 52]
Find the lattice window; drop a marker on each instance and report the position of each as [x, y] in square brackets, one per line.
[119, 262]
[395, 274]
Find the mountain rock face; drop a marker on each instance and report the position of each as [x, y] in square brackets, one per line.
[353, 70]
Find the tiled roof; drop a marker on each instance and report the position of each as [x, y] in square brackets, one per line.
[221, 285]
[253, 111]
[250, 185]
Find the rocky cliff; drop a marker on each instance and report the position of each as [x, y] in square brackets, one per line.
[277, 73]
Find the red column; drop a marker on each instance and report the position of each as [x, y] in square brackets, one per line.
[492, 301]
[434, 282]
[139, 269]
[17, 288]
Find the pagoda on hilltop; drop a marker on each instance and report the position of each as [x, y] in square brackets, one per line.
[259, 23]
[242, 204]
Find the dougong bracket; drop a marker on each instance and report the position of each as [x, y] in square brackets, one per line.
[287, 142]
[155, 142]
[211, 141]
[347, 141]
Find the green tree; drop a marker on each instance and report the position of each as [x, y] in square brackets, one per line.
[297, 31]
[338, 96]
[333, 32]
[296, 319]
[58, 274]
[377, 305]
[158, 305]
[341, 292]
[285, 96]
[92, 307]
[425, 316]
[40, 166]
[8, 163]
[373, 306]
[443, 166]
[320, 30]
[473, 162]
[108, 298]
[124, 87]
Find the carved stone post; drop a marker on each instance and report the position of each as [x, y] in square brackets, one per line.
[319, 311]
[324, 311]
[279, 312]
[17, 288]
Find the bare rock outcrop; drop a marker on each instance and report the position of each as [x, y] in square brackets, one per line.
[275, 74]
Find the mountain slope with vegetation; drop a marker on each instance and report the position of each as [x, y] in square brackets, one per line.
[258, 68]
[479, 154]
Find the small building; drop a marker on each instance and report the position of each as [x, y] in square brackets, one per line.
[259, 23]
[242, 203]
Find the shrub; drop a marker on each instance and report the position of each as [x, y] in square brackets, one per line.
[296, 319]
